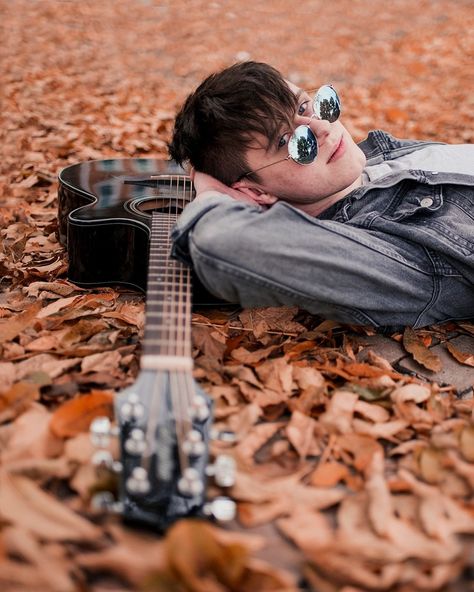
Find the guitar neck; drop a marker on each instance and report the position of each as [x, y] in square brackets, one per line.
[167, 340]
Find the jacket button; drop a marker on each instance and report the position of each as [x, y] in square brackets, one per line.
[426, 202]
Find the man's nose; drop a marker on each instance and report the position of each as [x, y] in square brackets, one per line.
[320, 127]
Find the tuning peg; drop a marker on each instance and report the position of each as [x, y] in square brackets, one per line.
[199, 409]
[105, 501]
[132, 409]
[138, 483]
[102, 459]
[223, 470]
[101, 431]
[224, 436]
[221, 508]
[194, 445]
[190, 483]
[136, 443]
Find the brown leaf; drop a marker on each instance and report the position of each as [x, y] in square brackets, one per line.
[254, 514]
[11, 328]
[466, 358]
[421, 354]
[52, 573]
[328, 474]
[209, 341]
[133, 556]
[16, 400]
[30, 438]
[362, 448]
[262, 320]
[202, 561]
[76, 415]
[466, 442]
[386, 430]
[246, 357]
[276, 374]
[107, 361]
[52, 365]
[255, 439]
[372, 411]
[24, 504]
[339, 411]
[309, 530]
[300, 432]
[411, 392]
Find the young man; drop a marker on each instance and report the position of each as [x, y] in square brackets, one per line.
[290, 210]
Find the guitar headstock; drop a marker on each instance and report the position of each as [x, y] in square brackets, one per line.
[163, 423]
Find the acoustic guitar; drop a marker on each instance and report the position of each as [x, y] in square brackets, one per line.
[115, 216]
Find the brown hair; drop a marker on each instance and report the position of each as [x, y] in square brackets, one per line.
[219, 120]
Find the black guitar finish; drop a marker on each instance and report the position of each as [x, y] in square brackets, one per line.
[105, 217]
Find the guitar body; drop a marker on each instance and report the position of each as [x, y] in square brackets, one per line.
[104, 219]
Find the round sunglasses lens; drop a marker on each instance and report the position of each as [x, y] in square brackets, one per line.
[327, 104]
[303, 146]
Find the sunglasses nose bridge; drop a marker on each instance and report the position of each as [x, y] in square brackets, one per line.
[319, 127]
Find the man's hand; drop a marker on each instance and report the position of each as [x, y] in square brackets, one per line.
[203, 183]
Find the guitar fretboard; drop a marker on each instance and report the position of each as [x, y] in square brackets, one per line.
[168, 301]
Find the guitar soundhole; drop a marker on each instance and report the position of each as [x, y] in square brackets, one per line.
[160, 205]
[164, 206]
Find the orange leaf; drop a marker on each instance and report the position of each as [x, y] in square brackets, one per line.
[10, 328]
[76, 415]
[424, 356]
[466, 358]
[17, 399]
[328, 474]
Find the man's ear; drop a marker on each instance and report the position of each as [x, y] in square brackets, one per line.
[255, 194]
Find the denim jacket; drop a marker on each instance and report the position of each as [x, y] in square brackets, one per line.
[397, 251]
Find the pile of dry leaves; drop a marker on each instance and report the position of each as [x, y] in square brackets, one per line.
[351, 476]
[370, 473]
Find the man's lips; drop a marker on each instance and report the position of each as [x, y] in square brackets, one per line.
[339, 150]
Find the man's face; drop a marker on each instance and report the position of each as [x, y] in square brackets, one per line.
[334, 173]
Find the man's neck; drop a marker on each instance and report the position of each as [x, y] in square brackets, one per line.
[316, 208]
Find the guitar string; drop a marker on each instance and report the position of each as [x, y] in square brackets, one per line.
[186, 384]
[181, 385]
[178, 395]
[150, 433]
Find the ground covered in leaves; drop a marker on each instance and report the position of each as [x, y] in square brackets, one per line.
[350, 475]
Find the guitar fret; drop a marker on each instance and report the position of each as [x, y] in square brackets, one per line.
[173, 315]
[158, 291]
[167, 342]
[164, 327]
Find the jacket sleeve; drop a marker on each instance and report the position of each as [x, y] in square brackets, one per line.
[282, 256]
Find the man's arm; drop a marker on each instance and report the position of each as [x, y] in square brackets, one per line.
[258, 257]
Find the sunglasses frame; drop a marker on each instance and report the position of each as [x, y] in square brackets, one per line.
[313, 116]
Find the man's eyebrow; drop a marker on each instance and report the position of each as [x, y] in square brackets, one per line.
[298, 94]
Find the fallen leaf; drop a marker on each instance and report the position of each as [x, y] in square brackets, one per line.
[339, 411]
[24, 504]
[421, 354]
[300, 432]
[466, 358]
[16, 400]
[328, 474]
[14, 326]
[53, 573]
[76, 415]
